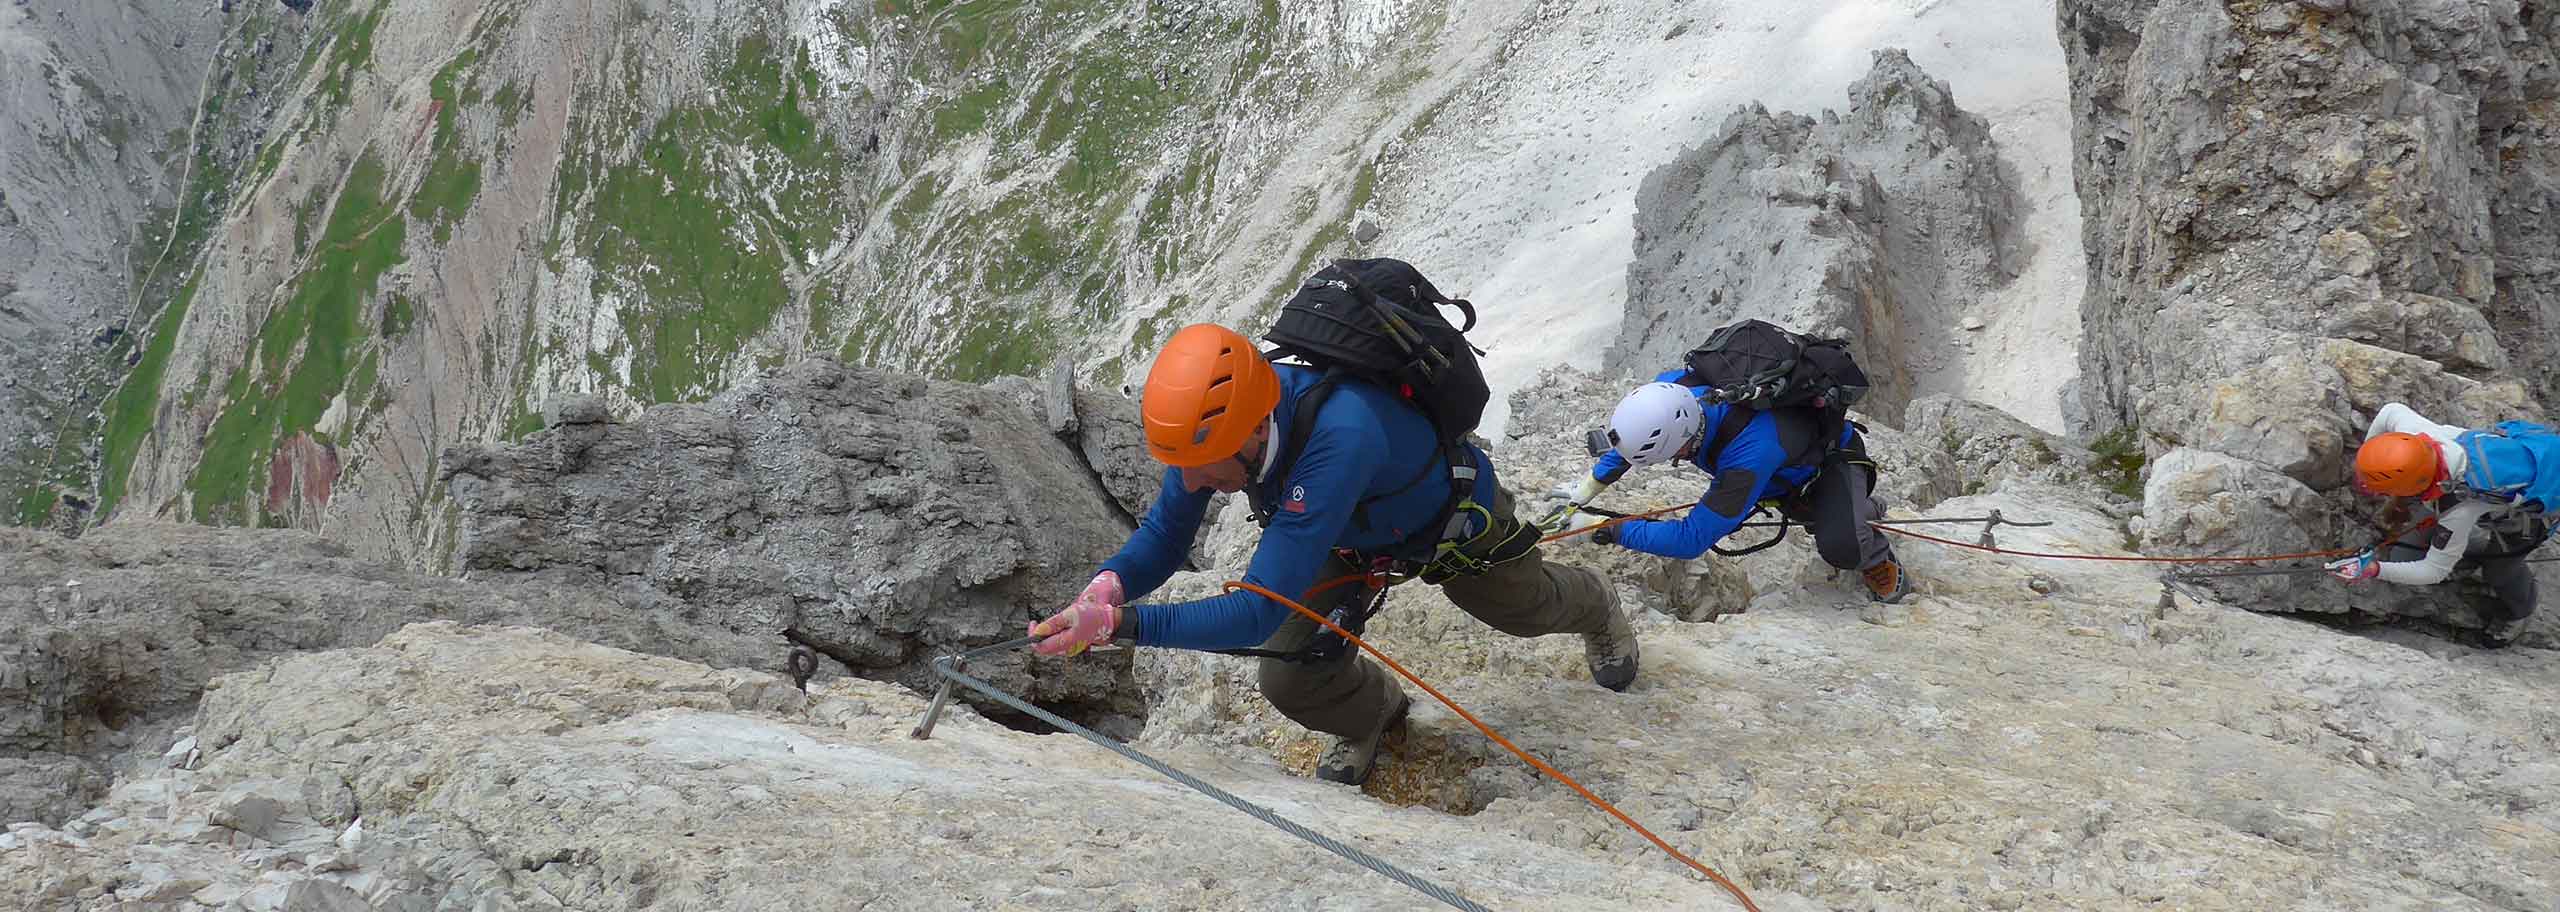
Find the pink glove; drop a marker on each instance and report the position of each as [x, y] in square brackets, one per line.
[1085, 623]
[2355, 569]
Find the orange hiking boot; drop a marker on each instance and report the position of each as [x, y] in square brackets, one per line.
[1886, 582]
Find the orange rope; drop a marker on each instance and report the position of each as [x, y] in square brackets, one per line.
[1497, 737]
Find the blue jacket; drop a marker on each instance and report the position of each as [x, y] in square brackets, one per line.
[1366, 443]
[1750, 468]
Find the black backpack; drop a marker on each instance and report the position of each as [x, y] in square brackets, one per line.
[1379, 321]
[1761, 367]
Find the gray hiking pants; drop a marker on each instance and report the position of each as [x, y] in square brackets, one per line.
[1840, 507]
[1351, 695]
[2499, 552]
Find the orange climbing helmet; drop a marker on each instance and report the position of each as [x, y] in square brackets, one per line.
[1207, 392]
[2400, 465]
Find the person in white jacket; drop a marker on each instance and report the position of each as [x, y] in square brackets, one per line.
[2490, 494]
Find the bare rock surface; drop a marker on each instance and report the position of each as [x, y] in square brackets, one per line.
[107, 640]
[2046, 735]
[91, 96]
[2021, 734]
[887, 518]
[1882, 224]
[513, 768]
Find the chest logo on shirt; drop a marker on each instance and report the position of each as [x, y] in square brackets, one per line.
[1297, 499]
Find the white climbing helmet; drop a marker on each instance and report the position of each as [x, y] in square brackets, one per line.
[1653, 423]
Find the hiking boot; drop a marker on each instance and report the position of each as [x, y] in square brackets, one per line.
[1886, 582]
[1612, 652]
[2500, 634]
[1351, 760]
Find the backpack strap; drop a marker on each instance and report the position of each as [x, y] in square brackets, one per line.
[1302, 424]
[1263, 494]
[1804, 449]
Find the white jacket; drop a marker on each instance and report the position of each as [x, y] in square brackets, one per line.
[2459, 522]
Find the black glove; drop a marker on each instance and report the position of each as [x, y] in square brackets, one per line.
[1607, 534]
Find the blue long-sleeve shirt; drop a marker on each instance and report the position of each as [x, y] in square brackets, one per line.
[1366, 444]
[1752, 467]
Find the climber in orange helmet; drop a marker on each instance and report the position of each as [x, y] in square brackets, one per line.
[2491, 488]
[1370, 479]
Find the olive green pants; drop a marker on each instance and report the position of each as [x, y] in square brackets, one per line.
[1351, 695]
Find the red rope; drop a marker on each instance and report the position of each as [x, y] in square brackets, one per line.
[2259, 559]
[1898, 530]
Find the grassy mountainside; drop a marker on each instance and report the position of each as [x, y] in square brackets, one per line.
[416, 222]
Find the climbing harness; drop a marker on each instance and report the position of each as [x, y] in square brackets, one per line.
[952, 671]
[1351, 614]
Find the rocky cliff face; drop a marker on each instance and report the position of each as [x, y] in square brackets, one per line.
[107, 641]
[887, 518]
[2297, 212]
[96, 155]
[1885, 225]
[2021, 735]
[423, 220]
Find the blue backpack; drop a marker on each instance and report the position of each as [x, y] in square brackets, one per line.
[2517, 461]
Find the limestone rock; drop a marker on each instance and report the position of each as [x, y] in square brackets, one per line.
[47, 786]
[889, 518]
[1878, 224]
[109, 638]
[1957, 447]
[516, 765]
[323, 896]
[1058, 399]
[2203, 502]
[2297, 212]
[1110, 440]
[568, 410]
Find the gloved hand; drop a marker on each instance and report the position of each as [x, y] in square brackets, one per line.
[2355, 569]
[1605, 534]
[1575, 496]
[1085, 623]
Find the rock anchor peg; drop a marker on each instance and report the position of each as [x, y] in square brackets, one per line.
[1989, 523]
[941, 697]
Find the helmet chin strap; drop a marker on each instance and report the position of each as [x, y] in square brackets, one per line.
[1270, 453]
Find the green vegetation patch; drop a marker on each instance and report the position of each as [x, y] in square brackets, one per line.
[2121, 460]
[453, 177]
[306, 349]
[350, 53]
[136, 404]
[696, 235]
[35, 508]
